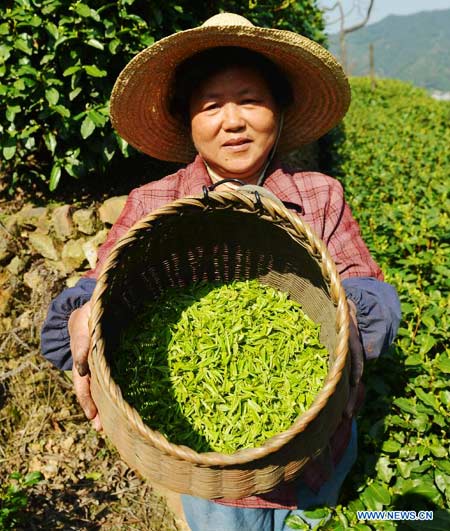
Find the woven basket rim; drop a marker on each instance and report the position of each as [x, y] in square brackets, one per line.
[268, 210]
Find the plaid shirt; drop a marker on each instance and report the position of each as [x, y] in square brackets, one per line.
[320, 200]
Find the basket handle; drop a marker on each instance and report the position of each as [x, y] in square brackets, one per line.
[257, 195]
[255, 190]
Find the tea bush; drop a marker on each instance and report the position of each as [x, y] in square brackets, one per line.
[394, 162]
[59, 60]
[14, 498]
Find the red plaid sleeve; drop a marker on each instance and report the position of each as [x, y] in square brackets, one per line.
[323, 207]
[343, 238]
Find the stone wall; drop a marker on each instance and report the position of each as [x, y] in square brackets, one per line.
[43, 250]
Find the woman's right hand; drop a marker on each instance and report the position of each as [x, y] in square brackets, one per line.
[79, 345]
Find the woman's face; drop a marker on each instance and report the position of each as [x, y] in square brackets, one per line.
[234, 121]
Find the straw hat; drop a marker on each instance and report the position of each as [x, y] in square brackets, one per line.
[141, 94]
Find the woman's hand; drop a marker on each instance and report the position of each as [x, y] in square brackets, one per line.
[79, 345]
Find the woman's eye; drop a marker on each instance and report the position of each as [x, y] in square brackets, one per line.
[211, 106]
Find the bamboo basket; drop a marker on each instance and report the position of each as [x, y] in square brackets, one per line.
[220, 237]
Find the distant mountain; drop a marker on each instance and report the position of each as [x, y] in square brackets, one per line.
[414, 48]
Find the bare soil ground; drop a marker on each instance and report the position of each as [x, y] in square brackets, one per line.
[86, 485]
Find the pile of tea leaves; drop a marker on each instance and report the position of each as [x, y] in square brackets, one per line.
[221, 367]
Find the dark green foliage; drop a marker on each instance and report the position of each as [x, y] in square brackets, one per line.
[394, 162]
[59, 60]
[221, 367]
[14, 498]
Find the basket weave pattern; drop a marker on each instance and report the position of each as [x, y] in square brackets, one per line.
[222, 237]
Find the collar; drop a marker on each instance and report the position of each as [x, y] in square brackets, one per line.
[196, 176]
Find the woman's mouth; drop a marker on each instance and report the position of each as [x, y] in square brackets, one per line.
[237, 144]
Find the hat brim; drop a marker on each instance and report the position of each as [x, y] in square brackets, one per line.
[140, 98]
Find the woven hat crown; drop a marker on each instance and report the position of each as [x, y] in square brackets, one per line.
[227, 19]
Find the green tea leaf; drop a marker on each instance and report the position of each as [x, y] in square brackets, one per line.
[98, 118]
[63, 111]
[94, 71]
[85, 11]
[294, 521]
[55, 175]
[427, 490]
[428, 398]
[421, 422]
[438, 450]
[87, 127]
[370, 500]
[390, 446]
[247, 357]
[379, 493]
[405, 468]
[406, 404]
[443, 465]
[443, 364]
[52, 96]
[74, 93]
[11, 112]
[385, 472]
[9, 152]
[95, 476]
[5, 52]
[113, 46]
[32, 478]
[50, 142]
[427, 344]
[23, 45]
[52, 29]
[95, 44]
[415, 359]
[71, 70]
[321, 512]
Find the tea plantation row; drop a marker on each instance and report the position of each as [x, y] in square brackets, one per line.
[394, 162]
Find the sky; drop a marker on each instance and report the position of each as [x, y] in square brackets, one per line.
[380, 10]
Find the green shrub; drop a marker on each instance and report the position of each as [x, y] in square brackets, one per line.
[14, 498]
[394, 162]
[59, 60]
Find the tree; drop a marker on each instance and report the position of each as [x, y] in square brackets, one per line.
[344, 31]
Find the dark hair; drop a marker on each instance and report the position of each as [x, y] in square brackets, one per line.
[192, 72]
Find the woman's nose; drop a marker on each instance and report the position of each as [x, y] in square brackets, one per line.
[232, 117]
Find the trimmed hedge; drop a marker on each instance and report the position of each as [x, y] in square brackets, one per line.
[59, 60]
[394, 162]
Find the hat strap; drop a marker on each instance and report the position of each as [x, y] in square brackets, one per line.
[216, 178]
[262, 176]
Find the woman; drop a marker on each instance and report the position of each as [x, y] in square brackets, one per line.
[235, 96]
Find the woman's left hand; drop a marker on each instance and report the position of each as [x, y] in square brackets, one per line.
[78, 326]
